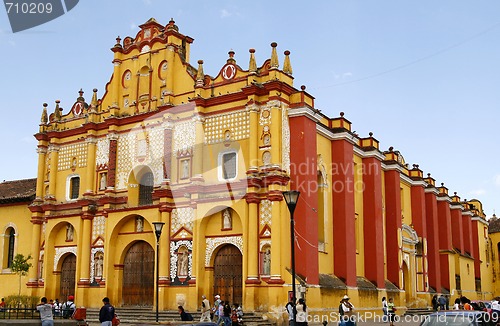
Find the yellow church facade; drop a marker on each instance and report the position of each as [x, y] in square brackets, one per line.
[209, 156]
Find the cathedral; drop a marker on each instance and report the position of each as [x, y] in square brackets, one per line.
[168, 185]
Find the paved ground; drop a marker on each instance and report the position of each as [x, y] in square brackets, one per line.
[409, 321]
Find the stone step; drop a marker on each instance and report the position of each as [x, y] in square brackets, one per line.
[146, 315]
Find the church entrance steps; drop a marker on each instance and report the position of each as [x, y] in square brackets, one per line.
[147, 316]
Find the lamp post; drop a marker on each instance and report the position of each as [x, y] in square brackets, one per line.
[291, 198]
[158, 227]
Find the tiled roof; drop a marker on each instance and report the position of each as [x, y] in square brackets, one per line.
[494, 225]
[17, 191]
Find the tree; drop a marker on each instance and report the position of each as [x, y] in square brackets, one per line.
[21, 266]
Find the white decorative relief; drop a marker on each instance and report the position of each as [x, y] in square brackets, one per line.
[264, 243]
[174, 246]
[238, 123]
[60, 252]
[184, 136]
[285, 140]
[182, 217]
[266, 212]
[214, 243]
[156, 145]
[102, 152]
[98, 227]
[68, 154]
[126, 151]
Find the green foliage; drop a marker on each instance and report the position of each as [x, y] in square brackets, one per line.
[22, 300]
[21, 264]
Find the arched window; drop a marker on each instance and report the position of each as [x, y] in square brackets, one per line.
[10, 251]
[146, 189]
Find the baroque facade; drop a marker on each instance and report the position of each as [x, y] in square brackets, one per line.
[209, 156]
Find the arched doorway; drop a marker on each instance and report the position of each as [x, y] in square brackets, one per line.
[228, 274]
[68, 269]
[138, 275]
[406, 283]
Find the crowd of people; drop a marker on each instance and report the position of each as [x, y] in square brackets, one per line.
[222, 312]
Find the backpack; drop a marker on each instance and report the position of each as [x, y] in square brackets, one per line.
[68, 310]
[203, 304]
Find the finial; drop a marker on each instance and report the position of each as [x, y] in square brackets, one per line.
[231, 57]
[171, 25]
[94, 98]
[44, 118]
[428, 175]
[341, 114]
[303, 87]
[287, 66]
[200, 76]
[80, 98]
[414, 166]
[442, 184]
[57, 111]
[118, 41]
[252, 66]
[417, 166]
[370, 134]
[455, 193]
[274, 56]
[391, 149]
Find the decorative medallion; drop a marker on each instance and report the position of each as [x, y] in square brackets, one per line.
[229, 71]
[78, 108]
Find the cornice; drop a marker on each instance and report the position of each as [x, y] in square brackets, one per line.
[444, 198]
[328, 134]
[304, 111]
[432, 190]
[479, 219]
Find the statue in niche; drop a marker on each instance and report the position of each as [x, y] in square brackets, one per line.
[226, 219]
[40, 263]
[182, 262]
[266, 262]
[69, 232]
[98, 265]
[102, 183]
[139, 224]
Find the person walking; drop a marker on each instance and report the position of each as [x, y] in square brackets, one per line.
[290, 309]
[215, 309]
[45, 310]
[205, 309]
[346, 310]
[301, 313]
[384, 310]
[226, 310]
[106, 313]
[391, 310]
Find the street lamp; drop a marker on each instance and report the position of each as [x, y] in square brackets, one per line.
[158, 227]
[291, 198]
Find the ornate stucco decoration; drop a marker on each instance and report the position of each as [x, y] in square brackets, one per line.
[214, 243]
[102, 153]
[98, 227]
[184, 135]
[68, 154]
[174, 247]
[265, 212]
[413, 236]
[237, 123]
[182, 217]
[59, 252]
[285, 140]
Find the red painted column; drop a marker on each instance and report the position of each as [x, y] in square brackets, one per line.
[466, 219]
[303, 174]
[373, 221]
[393, 223]
[419, 217]
[344, 235]
[457, 229]
[475, 247]
[431, 213]
[445, 245]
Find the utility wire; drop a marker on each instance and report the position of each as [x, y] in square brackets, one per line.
[446, 49]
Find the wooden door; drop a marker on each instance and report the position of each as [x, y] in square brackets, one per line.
[228, 274]
[138, 275]
[68, 270]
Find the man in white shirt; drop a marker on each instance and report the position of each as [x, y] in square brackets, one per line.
[205, 309]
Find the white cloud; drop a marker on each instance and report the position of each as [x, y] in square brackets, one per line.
[133, 26]
[497, 180]
[477, 192]
[225, 13]
[147, 2]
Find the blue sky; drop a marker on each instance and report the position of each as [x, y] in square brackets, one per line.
[423, 76]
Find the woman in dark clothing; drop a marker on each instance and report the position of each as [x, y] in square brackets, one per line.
[184, 315]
